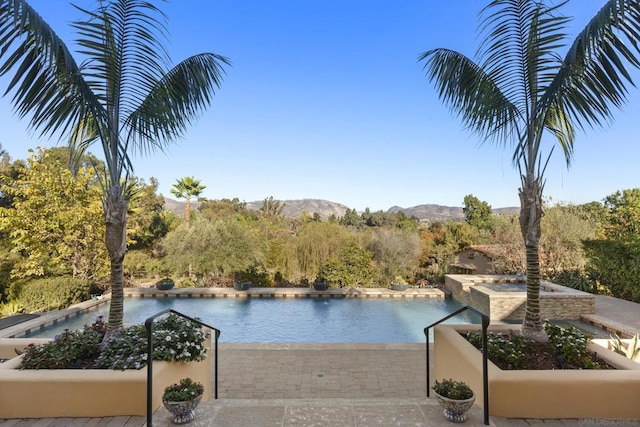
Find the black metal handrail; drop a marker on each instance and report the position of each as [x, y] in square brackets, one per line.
[485, 377]
[148, 324]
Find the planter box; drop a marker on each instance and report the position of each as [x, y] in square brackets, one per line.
[89, 392]
[596, 394]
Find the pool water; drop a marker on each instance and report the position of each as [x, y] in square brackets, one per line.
[280, 320]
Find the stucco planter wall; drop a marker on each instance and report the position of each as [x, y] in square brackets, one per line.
[89, 392]
[598, 394]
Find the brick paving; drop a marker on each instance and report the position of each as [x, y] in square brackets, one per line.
[286, 371]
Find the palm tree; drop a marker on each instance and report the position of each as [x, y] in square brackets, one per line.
[522, 87]
[122, 95]
[186, 188]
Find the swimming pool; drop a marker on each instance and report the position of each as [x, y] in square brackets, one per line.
[273, 320]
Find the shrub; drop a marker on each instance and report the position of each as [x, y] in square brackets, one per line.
[253, 275]
[70, 349]
[630, 350]
[511, 350]
[126, 349]
[571, 345]
[576, 279]
[174, 339]
[186, 282]
[54, 293]
[140, 264]
[185, 391]
[451, 389]
[10, 308]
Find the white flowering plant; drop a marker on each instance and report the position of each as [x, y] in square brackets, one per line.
[178, 339]
[175, 339]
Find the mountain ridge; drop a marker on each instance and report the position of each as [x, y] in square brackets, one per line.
[325, 208]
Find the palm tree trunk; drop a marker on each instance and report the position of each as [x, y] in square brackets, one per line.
[115, 210]
[530, 218]
[187, 212]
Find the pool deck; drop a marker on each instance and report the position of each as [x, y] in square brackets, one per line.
[333, 384]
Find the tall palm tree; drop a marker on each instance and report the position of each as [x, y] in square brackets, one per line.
[123, 95]
[186, 188]
[522, 87]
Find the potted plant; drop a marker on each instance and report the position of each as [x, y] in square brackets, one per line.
[164, 284]
[320, 284]
[455, 397]
[241, 286]
[181, 399]
[399, 284]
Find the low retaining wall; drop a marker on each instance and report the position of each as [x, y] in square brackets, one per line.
[597, 394]
[86, 392]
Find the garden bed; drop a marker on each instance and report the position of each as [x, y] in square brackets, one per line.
[46, 393]
[599, 394]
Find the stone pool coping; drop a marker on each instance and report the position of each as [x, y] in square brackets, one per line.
[53, 317]
[285, 293]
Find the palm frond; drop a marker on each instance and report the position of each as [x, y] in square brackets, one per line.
[123, 44]
[47, 84]
[176, 101]
[471, 94]
[593, 78]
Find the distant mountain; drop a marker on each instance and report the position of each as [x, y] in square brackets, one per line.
[430, 211]
[178, 207]
[325, 208]
[295, 208]
[439, 212]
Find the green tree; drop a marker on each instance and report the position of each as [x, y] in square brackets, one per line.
[521, 87]
[565, 229]
[225, 208]
[186, 188]
[352, 268]
[508, 235]
[273, 207]
[614, 259]
[56, 221]
[351, 219]
[220, 248]
[478, 213]
[395, 252]
[314, 244]
[148, 221]
[623, 215]
[122, 96]
[9, 172]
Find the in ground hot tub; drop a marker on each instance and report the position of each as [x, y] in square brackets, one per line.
[504, 297]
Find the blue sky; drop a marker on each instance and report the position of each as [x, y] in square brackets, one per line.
[326, 99]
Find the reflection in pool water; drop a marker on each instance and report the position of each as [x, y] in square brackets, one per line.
[269, 320]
